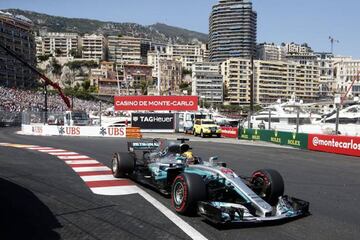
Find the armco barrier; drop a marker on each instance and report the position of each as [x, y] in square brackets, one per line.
[133, 132]
[298, 140]
[229, 132]
[335, 144]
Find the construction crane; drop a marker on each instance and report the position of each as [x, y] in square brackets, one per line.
[332, 41]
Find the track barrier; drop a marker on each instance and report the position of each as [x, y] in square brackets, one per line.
[133, 132]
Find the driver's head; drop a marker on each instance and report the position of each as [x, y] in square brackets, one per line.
[189, 157]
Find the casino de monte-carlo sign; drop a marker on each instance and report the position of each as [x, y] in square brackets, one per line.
[156, 103]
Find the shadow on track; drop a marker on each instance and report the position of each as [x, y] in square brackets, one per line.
[23, 215]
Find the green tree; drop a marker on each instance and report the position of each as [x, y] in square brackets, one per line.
[56, 67]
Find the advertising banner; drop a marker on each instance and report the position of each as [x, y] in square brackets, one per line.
[153, 121]
[229, 132]
[335, 144]
[74, 131]
[156, 103]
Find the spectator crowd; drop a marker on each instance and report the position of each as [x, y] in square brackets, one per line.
[17, 100]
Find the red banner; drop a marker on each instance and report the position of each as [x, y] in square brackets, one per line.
[156, 103]
[335, 144]
[229, 132]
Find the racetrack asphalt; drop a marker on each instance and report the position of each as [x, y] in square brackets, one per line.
[42, 198]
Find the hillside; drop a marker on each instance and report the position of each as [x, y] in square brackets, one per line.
[158, 32]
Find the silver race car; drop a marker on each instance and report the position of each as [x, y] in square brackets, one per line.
[208, 188]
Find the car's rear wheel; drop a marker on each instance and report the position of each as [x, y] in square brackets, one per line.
[187, 190]
[122, 164]
[268, 184]
[202, 134]
[194, 132]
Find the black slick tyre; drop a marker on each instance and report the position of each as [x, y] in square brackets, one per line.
[187, 190]
[268, 184]
[122, 164]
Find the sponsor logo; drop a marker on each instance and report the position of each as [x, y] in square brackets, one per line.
[317, 142]
[275, 139]
[156, 119]
[294, 142]
[135, 119]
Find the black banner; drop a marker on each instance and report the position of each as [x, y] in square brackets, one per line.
[153, 121]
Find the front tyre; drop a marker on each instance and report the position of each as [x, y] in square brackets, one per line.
[122, 164]
[268, 184]
[202, 134]
[187, 190]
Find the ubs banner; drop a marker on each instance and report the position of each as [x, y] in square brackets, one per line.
[335, 144]
[153, 121]
[156, 103]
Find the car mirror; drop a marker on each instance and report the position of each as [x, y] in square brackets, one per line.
[213, 159]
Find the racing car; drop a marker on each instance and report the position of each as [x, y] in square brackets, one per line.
[208, 188]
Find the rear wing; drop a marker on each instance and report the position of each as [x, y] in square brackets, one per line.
[142, 146]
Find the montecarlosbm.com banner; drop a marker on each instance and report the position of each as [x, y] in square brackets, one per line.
[156, 103]
[229, 132]
[335, 144]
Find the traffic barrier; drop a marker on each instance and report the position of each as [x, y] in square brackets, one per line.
[298, 140]
[133, 132]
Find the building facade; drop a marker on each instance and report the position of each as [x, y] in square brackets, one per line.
[170, 77]
[346, 73]
[188, 54]
[232, 30]
[236, 73]
[273, 80]
[16, 34]
[327, 85]
[270, 52]
[207, 82]
[57, 44]
[124, 49]
[93, 47]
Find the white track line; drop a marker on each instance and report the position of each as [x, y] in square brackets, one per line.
[63, 153]
[189, 230]
[53, 150]
[90, 169]
[73, 157]
[80, 162]
[99, 178]
[115, 191]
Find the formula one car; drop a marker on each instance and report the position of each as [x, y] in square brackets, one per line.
[208, 188]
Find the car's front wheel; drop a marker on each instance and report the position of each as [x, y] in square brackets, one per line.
[187, 190]
[268, 184]
[122, 164]
[202, 134]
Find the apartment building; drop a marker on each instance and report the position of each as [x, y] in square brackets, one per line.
[273, 80]
[154, 58]
[188, 54]
[93, 47]
[327, 85]
[346, 71]
[270, 52]
[170, 77]
[280, 80]
[124, 49]
[16, 33]
[232, 30]
[236, 73]
[207, 82]
[57, 44]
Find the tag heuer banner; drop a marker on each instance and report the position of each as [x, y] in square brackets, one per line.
[153, 121]
[156, 103]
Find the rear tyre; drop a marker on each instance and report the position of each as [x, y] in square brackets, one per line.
[194, 132]
[122, 164]
[202, 134]
[187, 190]
[268, 184]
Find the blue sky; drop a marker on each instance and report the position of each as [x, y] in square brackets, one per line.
[311, 21]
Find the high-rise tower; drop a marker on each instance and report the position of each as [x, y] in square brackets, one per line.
[232, 30]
